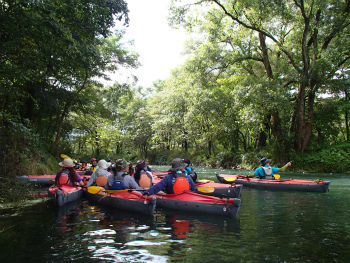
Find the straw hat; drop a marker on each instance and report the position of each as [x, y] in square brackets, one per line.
[68, 163]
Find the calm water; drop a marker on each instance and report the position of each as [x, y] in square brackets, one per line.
[271, 227]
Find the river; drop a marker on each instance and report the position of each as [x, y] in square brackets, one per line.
[271, 227]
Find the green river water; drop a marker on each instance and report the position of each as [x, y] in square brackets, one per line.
[271, 227]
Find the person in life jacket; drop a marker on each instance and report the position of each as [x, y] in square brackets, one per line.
[143, 174]
[68, 175]
[83, 166]
[190, 171]
[266, 171]
[176, 181]
[101, 175]
[121, 179]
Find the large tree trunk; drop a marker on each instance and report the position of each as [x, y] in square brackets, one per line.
[275, 125]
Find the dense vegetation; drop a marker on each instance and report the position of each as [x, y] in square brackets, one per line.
[262, 78]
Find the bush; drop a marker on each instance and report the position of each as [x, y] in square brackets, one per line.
[334, 159]
[228, 160]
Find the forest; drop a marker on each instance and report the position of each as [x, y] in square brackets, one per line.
[261, 78]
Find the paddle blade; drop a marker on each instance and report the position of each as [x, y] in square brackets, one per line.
[94, 189]
[276, 176]
[206, 189]
[65, 156]
[230, 179]
[205, 181]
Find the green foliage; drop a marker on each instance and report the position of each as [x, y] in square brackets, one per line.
[228, 160]
[11, 190]
[21, 151]
[334, 159]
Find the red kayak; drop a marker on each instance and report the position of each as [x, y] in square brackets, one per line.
[197, 203]
[42, 179]
[64, 194]
[207, 187]
[123, 199]
[283, 185]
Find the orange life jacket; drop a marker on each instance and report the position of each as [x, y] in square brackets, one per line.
[145, 180]
[181, 184]
[101, 180]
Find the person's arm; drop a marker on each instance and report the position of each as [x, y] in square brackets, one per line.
[131, 183]
[110, 180]
[79, 180]
[150, 176]
[58, 176]
[91, 180]
[256, 172]
[284, 168]
[158, 187]
[192, 185]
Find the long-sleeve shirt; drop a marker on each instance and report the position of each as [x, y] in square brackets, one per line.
[128, 181]
[99, 172]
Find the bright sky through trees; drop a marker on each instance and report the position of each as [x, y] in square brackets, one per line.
[159, 45]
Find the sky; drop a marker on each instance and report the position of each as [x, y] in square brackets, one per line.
[158, 45]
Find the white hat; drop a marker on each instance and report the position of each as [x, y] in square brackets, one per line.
[103, 164]
[66, 163]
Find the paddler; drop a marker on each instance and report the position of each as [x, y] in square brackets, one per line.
[68, 175]
[176, 181]
[265, 170]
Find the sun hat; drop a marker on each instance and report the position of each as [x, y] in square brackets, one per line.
[177, 164]
[121, 164]
[103, 164]
[187, 161]
[68, 163]
[140, 164]
[264, 161]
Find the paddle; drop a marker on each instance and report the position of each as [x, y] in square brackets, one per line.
[276, 176]
[230, 179]
[65, 156]
[206, 189]
[205, 181]
[95, 189]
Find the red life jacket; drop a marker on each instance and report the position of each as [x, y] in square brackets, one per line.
[63, 179]
[181, 184]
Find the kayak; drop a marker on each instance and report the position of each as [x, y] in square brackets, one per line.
[124, 199]
[283, 185]
[64, 194]
[207, 187]
[41, 179]
[197, 203]
[37, 179]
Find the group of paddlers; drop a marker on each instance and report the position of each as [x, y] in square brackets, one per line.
[121, 175]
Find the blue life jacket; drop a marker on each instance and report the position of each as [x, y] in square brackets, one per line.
[118, 183]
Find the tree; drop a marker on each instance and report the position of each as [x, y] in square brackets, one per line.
[310, 36]
[51, 51]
